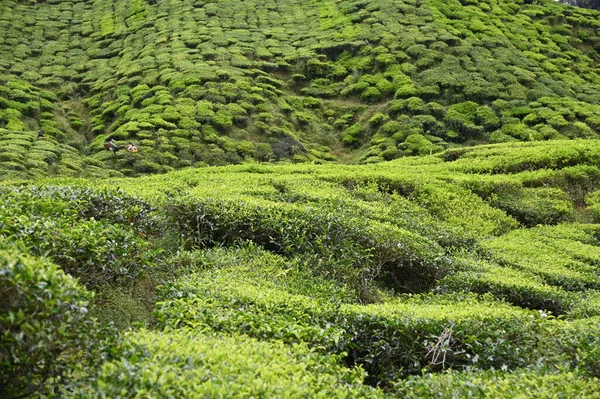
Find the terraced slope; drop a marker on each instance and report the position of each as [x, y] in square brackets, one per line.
[25, 155]
[217, 82]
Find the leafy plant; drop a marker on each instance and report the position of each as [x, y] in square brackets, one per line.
[46, 332]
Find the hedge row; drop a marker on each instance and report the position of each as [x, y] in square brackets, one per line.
[188, 363]
[498, 384]
[389, 340]
[340, 245]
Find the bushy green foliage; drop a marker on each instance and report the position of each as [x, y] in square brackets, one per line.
[443, 335]
[188, 363]
[530, 157]
[498, 384]
[417, 144]
[80, 71]
[593, 201]
[459, 207]
[340, 245]
[196, 83]
[569, 255]
[458, 260]
[578, 345]
[24, 156]
[45, 328]
[352, 134]
[534, 206]
[519, 287]
[453, 210]
[88, 233]
[258, 295]
[266, 298]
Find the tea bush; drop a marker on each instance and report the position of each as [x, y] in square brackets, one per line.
[45, 329]
[25, 156]
[537, 206]
[110, 205]
[234, 300]
[188, 363]
[61, 223]
[344, 247]
[577, 345]
[256, 308]
[497, 384]
[564, 256]
[460, 208]
[518, 287]
[530, 156]
[593, 201]
[432, 333]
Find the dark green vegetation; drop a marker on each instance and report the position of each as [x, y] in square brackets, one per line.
[471, 269]
[595, 4]
[195, 82]
[471, 273]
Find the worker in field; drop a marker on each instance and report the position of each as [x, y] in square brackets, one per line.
[132, 148]
[110, 145]
[41, 136]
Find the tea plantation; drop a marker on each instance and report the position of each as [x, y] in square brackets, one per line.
[334, 198]
[469, 273]
[219, 82]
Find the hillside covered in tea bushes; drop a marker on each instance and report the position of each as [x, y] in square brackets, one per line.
[331, 199]
[472, 273]
[196, 82]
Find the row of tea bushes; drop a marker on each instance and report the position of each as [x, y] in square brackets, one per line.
[519, 287]
[546, 267]
[233, 296]
[189, 363]
[526, 156]
[260, 267]
[569, 254]
[23, 155]
[251, 292]
[205, 83]
[354, 250]
[498, 384]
